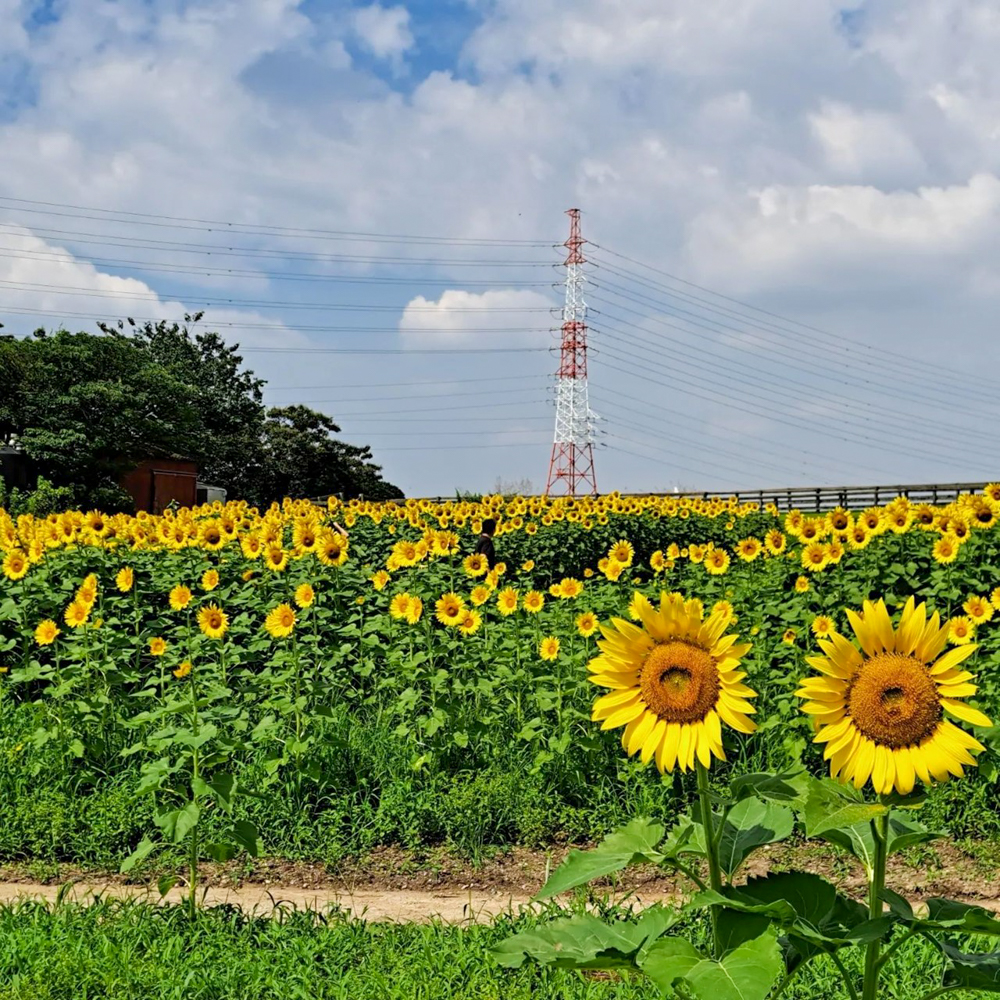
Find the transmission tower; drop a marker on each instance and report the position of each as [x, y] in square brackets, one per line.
[571, 468]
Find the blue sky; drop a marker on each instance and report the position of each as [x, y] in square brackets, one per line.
[796, 210]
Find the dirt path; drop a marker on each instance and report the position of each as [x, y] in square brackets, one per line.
[393, 885]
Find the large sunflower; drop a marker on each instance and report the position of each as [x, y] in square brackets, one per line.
[673, 682]
[881, 710]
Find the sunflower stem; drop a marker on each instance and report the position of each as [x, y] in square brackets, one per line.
[711, 849]
[872, 966]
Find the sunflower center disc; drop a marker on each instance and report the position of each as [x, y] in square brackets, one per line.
[893, 700]
[679, 682]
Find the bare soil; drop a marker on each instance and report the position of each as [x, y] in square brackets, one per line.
[395, 885]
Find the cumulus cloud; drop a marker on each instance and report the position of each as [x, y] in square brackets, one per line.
[494, 318]
[384, 31]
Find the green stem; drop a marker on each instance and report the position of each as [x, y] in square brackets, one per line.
[711, 849]
[881, 830]
[940, 991]
[193, 843]
[894, 947]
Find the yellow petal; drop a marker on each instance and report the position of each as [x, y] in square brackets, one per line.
[952, 658]
[905, 774]
[965, 712]
[864, 631]
[666, 755]
[653, 741]
[623, 716]
[643, 728]
[863, 762]
[702, 745]
[608, 703]
[877, 617]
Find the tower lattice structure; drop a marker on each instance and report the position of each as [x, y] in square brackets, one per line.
[571, 468]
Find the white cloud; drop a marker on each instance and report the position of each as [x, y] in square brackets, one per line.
[384, 31]
[494, 318]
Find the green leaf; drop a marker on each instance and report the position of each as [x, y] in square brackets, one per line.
[221, 851]
[245, 834]
[145, 848]
[785, 787]
[746, 973]
[830, 806]
[223, 787]
[905, 833]
[186, 821]
[586, 941]
[165, 883]
[634, 843]
[750, 824]
[977, 972]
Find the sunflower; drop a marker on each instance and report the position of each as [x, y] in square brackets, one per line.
[331, 550]
[528, 565]
[815, 557]
[380, 579]
[183, 670]
[822, 626]
[748, 549]
[569, 588]
[775, 542]
[124, 579]
[507, 601]
[211, 536]
[717, 562]
[470, 621]
[448, 609]
[726, 609]
[180, 597]
[995, 598]
[209, 579]
[586, 624]
[275, 558]
[399, 605]
[801, 584]
[613, 569]
[280, 621]
[305, 595]
[46, 632]
[213, 621]
[978, 608]
[87, 593]
[252, 546]
[76, 614]
[548, 648]
[479, 595]
[673, 682]
[475, 565]
[961, 630]
[859, 537]
[157, 646]
[788, 637]
[15, 564]
[622, 552]
[533, 602]
[946, 549]
[881, 710]
[414, 611]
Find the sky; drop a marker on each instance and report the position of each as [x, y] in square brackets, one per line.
[792, 212]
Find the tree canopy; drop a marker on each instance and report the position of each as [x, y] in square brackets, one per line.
[87, 408]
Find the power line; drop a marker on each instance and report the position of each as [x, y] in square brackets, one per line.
[386, 385]
[182, 222]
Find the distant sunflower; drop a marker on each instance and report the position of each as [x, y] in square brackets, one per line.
[470, 621]
[183, 670]
[507, 601]
[76, 614]
[475, 565]
[946, 549]
[213, 621]
[448, 609]
[479, 595]
[399, 605]
[881, 710]
[622, 552]
[673, 682]
[569, 588]
[157, 646]
[748, 549]
[46, 632]
[717, 562]
[305, 595]
[815, 557]
[788, 637]
[180, 597]
[548, 648]
[415, 610]
[210, 579]
[280, 621]
[275, 558]
[586, 624]
[528, 565]
[961, 630]
[995, 598]
[775, 542]
[822, 626]
[380, 579]
[15, 564]
[978, 608]
[801, 584]
[533, 602]
[656, 561]
[124, 579]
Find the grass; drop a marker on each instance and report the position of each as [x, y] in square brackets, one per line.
[130, 951]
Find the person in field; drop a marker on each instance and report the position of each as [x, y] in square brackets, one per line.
[485, 546]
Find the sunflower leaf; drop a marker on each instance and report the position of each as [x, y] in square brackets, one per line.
[586, 941]
[977, 972]
[745, 973]
[634, 843]
[750, 824]
[785, 787]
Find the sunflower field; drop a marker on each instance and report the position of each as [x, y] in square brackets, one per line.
[310, 681]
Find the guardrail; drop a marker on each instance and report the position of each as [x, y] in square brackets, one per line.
[815, 498]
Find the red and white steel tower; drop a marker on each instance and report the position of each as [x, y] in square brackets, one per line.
[571, 468]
